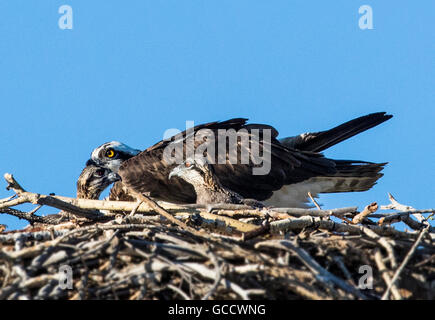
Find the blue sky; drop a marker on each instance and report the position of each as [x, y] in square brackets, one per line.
[128, 71]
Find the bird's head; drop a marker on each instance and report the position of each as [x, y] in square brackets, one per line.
[192, 170]
[112, 154]
[93, 180]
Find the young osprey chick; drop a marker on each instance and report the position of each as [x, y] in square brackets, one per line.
[93, 180]
[207, 186]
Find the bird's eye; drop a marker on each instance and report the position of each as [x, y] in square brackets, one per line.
[99, 172]
[110, 153]
[188, 164]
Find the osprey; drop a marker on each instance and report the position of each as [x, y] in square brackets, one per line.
[208, 188]
[297, 165]
[93, 180]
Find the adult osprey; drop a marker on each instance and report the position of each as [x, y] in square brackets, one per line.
[296, 164]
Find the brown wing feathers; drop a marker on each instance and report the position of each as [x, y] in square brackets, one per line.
[148, 172]
[293, 160]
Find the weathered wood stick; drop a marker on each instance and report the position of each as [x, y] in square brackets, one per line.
[384, 272]
[316, 222]
[404, 262]
[315, 212]
[371, 208]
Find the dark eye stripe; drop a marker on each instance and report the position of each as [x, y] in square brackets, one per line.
[123, 155]
[100, 172]
[101, 153]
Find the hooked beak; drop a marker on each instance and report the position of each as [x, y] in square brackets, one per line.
[113, 177]
[175, 172]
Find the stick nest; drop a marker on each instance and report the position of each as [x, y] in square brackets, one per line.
[214, 252]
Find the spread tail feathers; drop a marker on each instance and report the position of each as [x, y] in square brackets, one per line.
[351, 176]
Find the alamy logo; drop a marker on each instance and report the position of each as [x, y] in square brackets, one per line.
[235, 147]
[366, 280]
[65, 277]
[366, 20]
[66, 20]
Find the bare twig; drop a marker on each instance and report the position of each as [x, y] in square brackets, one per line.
[314, 266]
[404, 262]
[13, 184]
[314, 201]
[397, 206]
[371, 208]
[384, 273]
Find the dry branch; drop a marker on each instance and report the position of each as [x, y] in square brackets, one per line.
[405, 261]
[371, 208]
